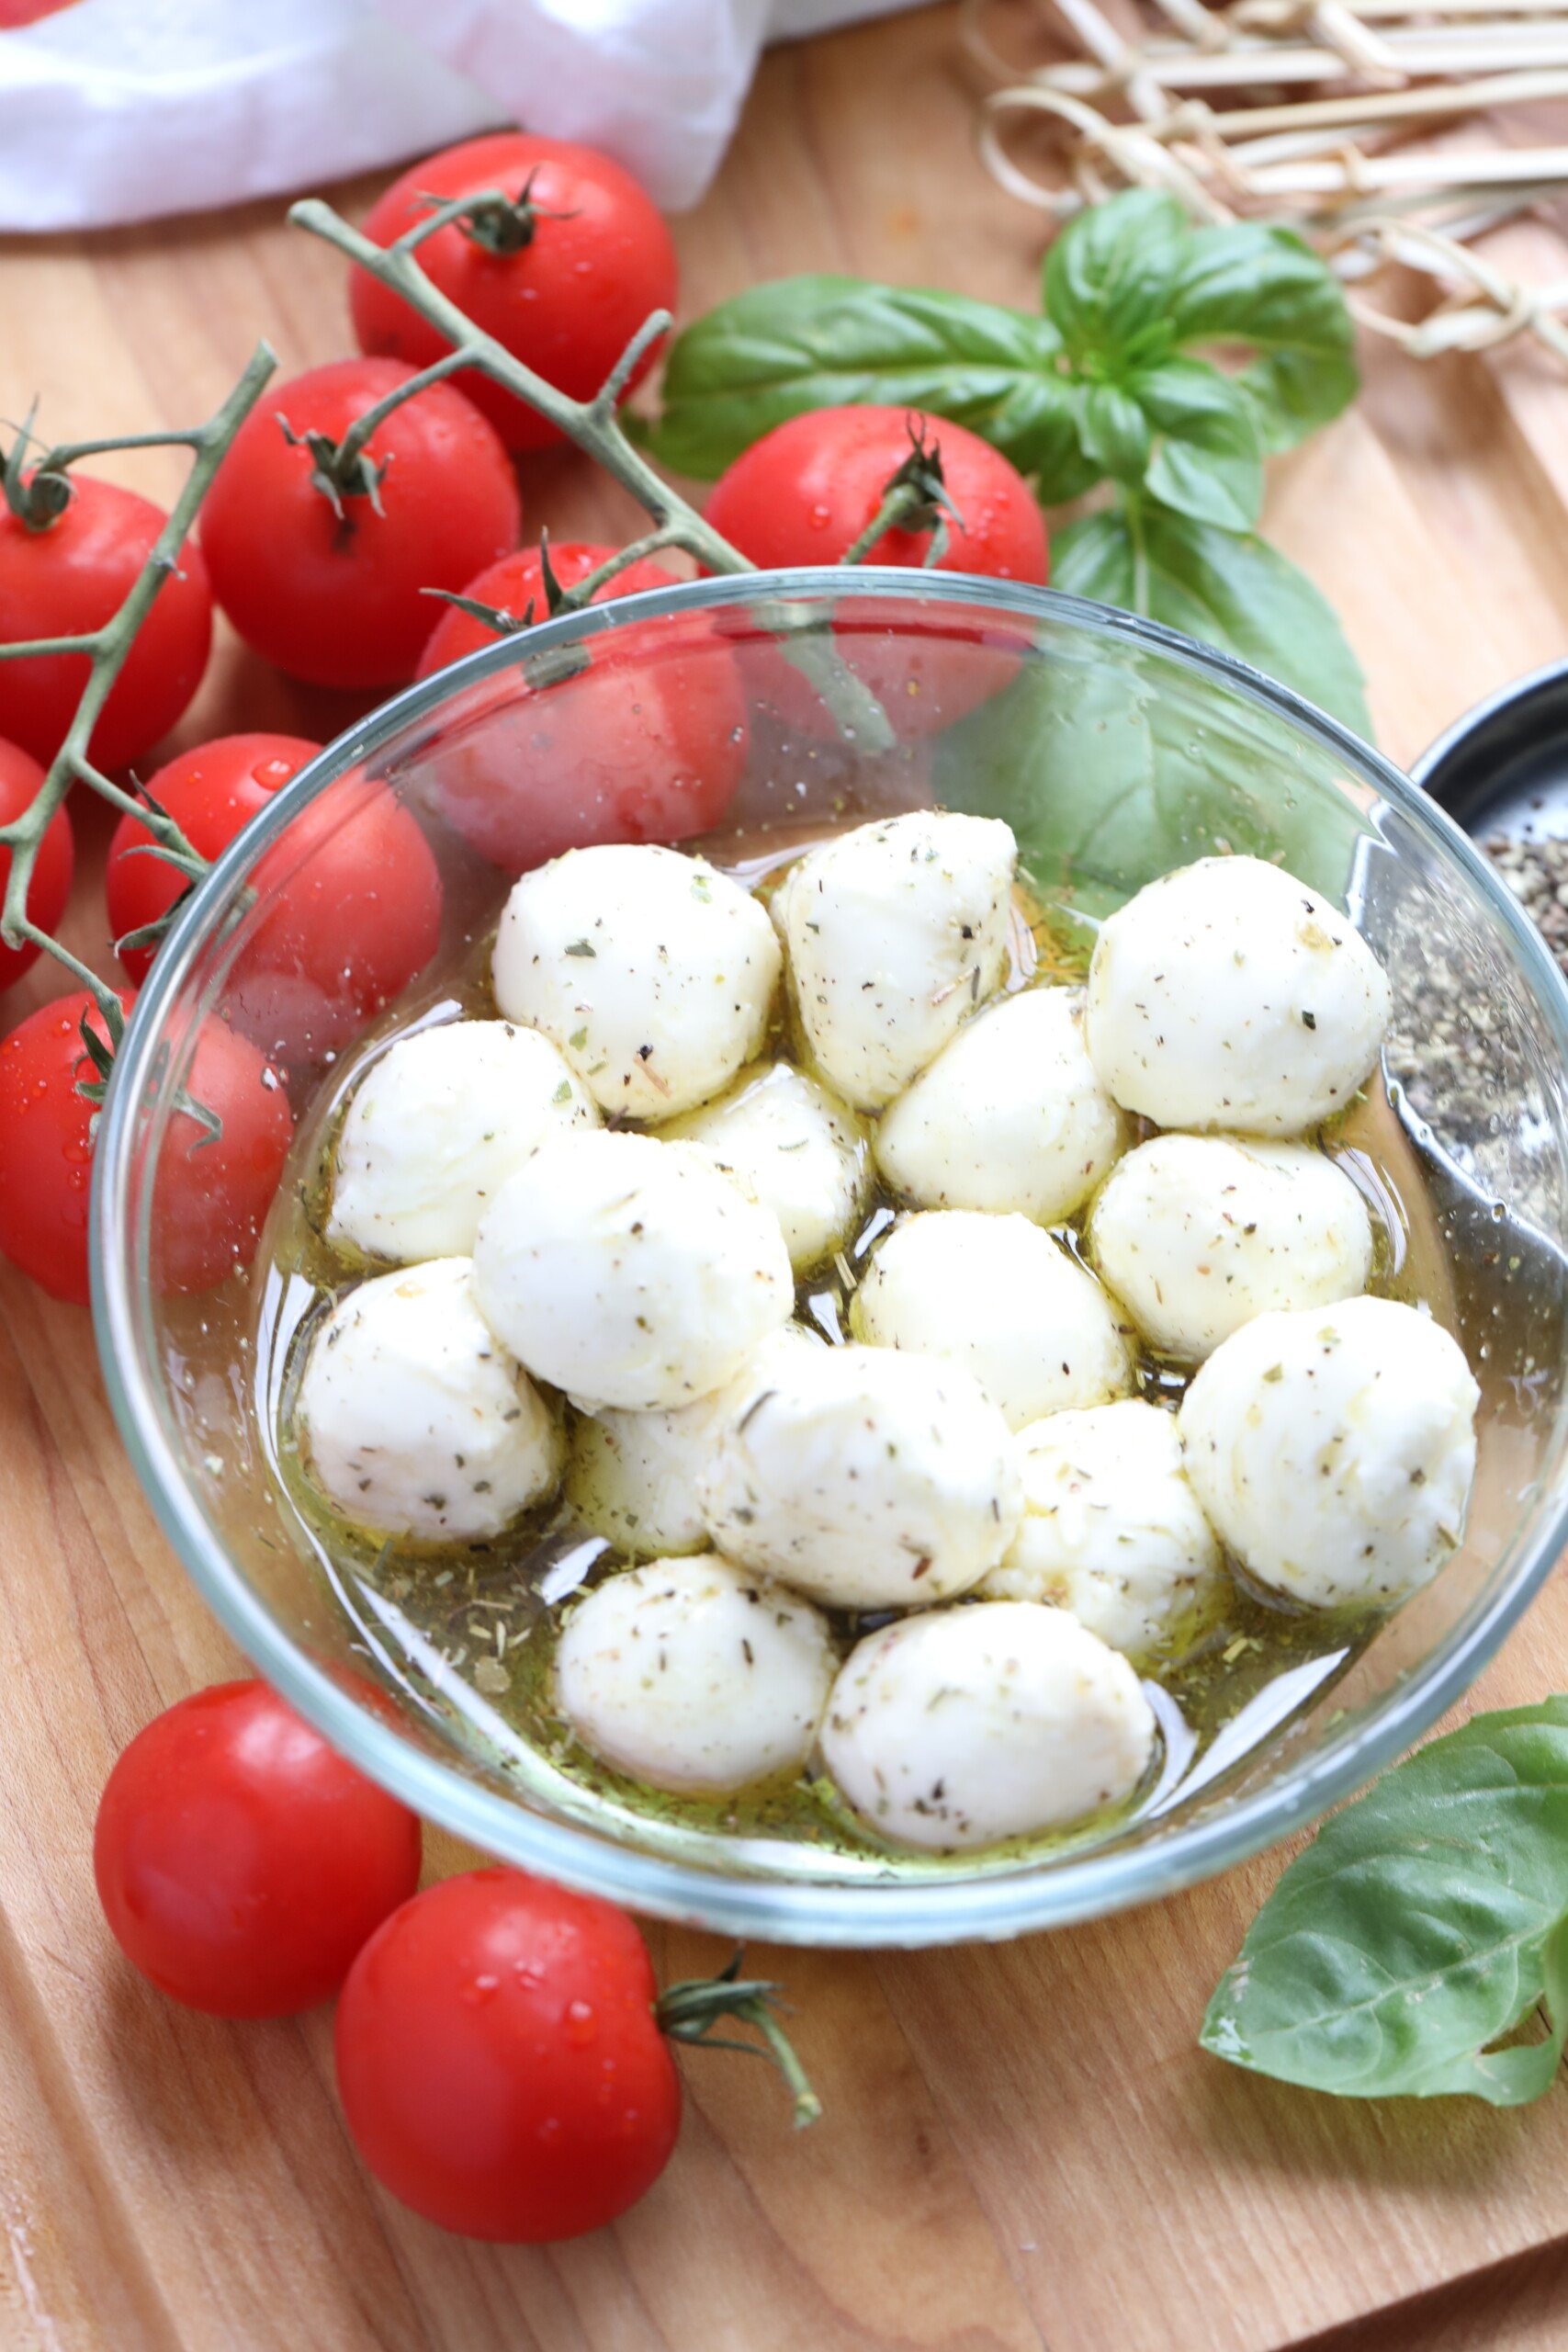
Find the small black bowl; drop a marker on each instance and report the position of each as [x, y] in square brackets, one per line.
[1503, 768]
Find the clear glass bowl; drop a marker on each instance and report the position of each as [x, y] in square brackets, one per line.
[1117, 750]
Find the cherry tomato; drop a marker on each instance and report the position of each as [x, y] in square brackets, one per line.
[644, 742]
[499, 2060]
[210, 792]
[21, 779]
[71, 576]
[348, 909]
[807, 491]
[241, 1863]
[349, 900]
[335, 594]
[210, 1197]
[563, 276]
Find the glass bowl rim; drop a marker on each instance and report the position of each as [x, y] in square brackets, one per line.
[857, 1916]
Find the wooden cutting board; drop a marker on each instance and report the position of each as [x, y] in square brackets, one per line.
[1024, 2147]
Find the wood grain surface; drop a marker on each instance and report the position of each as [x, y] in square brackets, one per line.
[1023, 2148]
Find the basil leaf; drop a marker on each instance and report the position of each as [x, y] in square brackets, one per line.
[823, 342]
[1263, 287]
[1227, 588]
[1110, 274]
[1422, 1925]
[1209, 463]
[1113, 765]
[1113, 431]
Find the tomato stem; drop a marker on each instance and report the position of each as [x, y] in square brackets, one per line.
[106, 649]
[689, 2011]
[593, 425]
[914, 497]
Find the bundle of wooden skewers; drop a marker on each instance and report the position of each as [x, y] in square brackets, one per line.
[1387, 131]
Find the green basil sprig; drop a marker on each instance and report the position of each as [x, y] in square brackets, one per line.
[1108, 384]
[1420, 1928]
[1105, 384]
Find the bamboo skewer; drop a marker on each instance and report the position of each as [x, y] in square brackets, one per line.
[1190, 108]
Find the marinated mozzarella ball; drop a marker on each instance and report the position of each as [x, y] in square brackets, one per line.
[1230, 995]
[1197, 1234]
[1010, 1115]
[999, 1296]
[800, 1150]
[689, 1674]
[629, 1271]
[867, 1479]
[653, 973]
[963, 1726]
[436, 1126]
[632, 1478]
[412, 1420]
[894, 933]
[1112, 1529]
[1333, 1448]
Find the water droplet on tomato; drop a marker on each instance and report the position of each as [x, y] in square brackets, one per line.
[480, 1989]
[581, 2025]
[274, 771]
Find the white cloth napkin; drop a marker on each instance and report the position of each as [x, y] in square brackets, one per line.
[124, 110]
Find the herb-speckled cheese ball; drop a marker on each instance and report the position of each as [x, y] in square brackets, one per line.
[1010, 1115]
[414, 1421]
[1112, 1529]
[895, 932]
[1230, 995]
[998, 1296]
[963, 1726]
[693, 1675]
[632, 1478]
[434, 1128]
[651, 972]
[1333, 1449]
[800, 1150]
[630, 1271]
[867, 1479]
[1197, 1234]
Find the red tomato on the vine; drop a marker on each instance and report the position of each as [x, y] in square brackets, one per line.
[70, 576]
[563, 274]
[210, 1195]
[241, 1863]
[500, 2063]
[21, 778]
[210, 792]
[646, 741]
[348, 901]
[323, 568]
[807, 491]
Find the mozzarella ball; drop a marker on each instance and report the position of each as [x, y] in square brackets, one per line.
[689, 1674]
[1230, 995]
[894, 933]
[632, 1478]
[796, 1146]
[629, 1271]
[998, 1295]
[963, 1727]
[413, 1422]
[1112, 1529]
[653, 973]
[436, 1126]
[1010, 1115]
[867, 1479]
[1197, 1234]
[1333, 1449]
